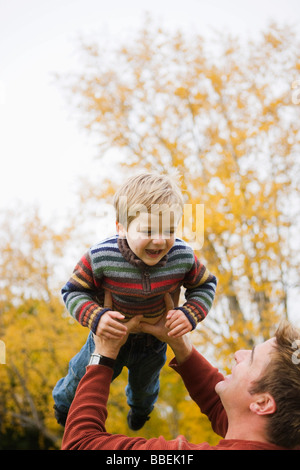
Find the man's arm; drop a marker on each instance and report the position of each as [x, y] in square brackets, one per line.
[199, 376]
[85, 426]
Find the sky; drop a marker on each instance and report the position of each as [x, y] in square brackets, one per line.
[43, 149]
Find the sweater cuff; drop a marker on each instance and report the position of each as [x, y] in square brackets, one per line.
[188, 315]
[97, 319]
[191, 357]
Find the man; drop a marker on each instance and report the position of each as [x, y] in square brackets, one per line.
[257, 407]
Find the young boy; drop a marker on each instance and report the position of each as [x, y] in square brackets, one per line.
[137, 267]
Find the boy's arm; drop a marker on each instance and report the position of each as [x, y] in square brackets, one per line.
[200, 287]
[79, 295]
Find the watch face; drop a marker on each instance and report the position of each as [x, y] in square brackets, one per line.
[95, 359]
[98, 359]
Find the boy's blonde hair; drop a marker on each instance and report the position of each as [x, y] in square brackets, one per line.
[147, 192]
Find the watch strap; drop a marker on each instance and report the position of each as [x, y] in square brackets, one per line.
[103, 360]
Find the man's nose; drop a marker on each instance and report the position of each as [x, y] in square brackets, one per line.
[241, 355]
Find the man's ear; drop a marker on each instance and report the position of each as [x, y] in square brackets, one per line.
[264, 404]
[120, 229]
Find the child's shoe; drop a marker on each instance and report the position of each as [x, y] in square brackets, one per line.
[61, 417]
[136, 422]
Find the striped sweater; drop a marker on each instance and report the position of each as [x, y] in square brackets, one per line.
[135, 287]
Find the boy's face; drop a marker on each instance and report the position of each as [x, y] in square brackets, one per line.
[151, 236]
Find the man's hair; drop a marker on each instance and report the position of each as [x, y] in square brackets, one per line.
[147, 192]
[281, 379]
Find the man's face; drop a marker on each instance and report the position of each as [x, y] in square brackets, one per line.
[234, 389]
[150, 236]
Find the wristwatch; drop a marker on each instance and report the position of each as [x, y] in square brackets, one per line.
[97, 359]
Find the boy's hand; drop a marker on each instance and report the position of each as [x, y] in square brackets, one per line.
[110, 327]
[110, 347]
[177, 323]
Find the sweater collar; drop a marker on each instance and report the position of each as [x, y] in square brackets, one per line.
[131, 257]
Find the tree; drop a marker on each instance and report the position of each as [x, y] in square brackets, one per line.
[221, 112]
[39, 338]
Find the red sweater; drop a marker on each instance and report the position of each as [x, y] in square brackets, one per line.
[85, 427]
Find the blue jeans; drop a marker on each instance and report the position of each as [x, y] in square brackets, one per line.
[143, 355]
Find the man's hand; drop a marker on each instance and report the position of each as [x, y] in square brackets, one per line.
[110, 347]
[110, 327]
[181, 345]
[159, 329]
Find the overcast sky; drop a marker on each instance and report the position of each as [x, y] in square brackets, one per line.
[42, 149]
